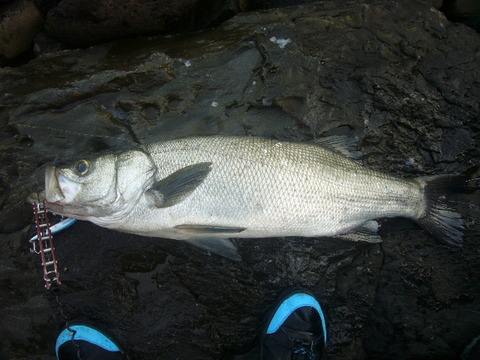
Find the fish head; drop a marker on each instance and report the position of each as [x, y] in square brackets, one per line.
[107, 187]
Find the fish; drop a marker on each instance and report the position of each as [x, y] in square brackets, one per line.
[209, 190]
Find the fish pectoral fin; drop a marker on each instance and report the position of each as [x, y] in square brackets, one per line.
[208, 229]
[157, 197]
[176, 187]
[368, 232]
[342, 144]
[222, 247]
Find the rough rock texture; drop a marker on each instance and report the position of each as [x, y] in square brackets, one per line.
[20, 21]
[397, 75]
[87, 22]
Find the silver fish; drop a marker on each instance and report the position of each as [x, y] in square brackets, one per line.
[206, 190]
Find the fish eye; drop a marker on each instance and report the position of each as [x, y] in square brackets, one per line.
[83, 167]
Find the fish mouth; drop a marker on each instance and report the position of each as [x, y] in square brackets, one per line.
[36, 197]
[59, 188]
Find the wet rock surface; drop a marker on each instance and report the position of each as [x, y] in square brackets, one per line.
[31, 28]
[399, 76]
[84, 23]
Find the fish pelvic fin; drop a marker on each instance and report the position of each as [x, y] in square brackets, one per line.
[222, 247]
[445, 224]
[208, 229]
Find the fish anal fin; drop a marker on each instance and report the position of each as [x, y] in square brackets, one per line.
[222, 247]
[176, 187]
[368, 232]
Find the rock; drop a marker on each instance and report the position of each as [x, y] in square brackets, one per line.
[45, 5]
[436, 3]
[464, 11]
[270, 4]
[468, 12]
[473, 22]
[466, 8]
[20, 21]
[85, 22]
[44, 44]
[397, 75]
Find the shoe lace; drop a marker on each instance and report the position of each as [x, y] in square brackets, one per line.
[303, 349]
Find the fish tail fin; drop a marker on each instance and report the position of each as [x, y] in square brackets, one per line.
[445, 224]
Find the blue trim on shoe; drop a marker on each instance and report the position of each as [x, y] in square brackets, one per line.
[86, 333]
[289, 305]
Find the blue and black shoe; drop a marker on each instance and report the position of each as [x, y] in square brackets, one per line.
[86, 343]
[295, 329]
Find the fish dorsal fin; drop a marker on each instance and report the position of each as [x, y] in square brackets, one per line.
[176, 187]
[222, 247]
[345, 145]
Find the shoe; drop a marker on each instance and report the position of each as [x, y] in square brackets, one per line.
[472, 351]
[295, 329]
[86, 343]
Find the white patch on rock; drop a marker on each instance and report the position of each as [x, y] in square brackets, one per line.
[280, 42]
[410, 162]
